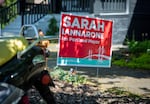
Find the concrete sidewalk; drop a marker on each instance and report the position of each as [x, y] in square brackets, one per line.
[135, 81]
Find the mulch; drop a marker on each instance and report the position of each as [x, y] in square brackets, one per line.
[66, 93]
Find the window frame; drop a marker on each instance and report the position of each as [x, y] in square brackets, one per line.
[119, 13]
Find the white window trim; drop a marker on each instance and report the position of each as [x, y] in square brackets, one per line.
[122, 13]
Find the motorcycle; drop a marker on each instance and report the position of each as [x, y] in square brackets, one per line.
[26, 69]
[10, 94]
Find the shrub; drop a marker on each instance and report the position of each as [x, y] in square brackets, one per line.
[136, 47]
[140, 62]
[52, 27]
[60, 74]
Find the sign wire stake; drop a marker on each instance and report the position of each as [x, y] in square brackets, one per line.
[97, 71]
[76, 68]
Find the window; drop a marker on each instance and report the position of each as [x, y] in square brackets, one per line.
[114, 6]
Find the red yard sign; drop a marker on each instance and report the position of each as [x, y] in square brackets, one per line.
[84, 41]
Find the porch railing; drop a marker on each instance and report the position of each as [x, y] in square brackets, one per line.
[72, 5]
[76, 5]
[34, 12]
[29, 12]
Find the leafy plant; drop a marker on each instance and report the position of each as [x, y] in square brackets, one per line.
[138, 47]
[52, 27]
[140, 62]
[8, 2]
[60, 74]
[122, 92]
[8, 12]
[119, 62]
[138, 56]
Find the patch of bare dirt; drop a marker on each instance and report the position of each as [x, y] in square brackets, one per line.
[132, 80]
[66, 93]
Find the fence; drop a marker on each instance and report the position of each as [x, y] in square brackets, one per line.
[31, 12]
[76, 5]
[34, 12]
[110, 6]
[71, 5]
